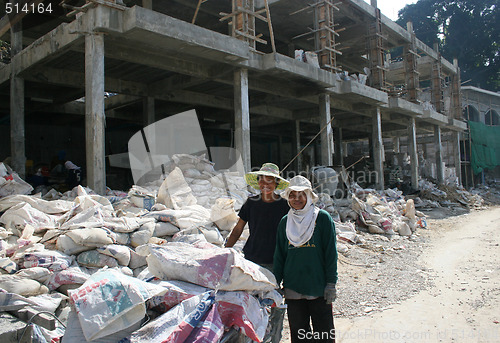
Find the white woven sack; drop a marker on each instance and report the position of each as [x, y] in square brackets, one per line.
[209, 267]
[109, 302]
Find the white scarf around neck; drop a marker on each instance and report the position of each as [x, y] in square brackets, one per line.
[300, 223]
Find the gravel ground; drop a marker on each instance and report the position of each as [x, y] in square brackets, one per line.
[380, 272]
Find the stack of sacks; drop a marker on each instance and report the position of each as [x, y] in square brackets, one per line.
[11, 183]
[54, 248]
[197, 173]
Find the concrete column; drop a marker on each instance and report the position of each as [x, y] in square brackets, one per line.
[439, 154]
[338, 147]
[296, 147]
[344, 149]
[17, 137]
[242, 117]
[378, 148]
[412, 147]
[94, 112]
[147, 4]
[327, 133]
[395, 145]
[148, 110]
[281, 164]
[458, 164]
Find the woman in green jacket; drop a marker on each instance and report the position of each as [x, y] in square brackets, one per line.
[305, 260]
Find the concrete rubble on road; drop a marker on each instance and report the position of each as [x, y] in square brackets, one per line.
[152, 249]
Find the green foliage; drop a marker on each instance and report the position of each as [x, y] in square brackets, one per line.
[468, 30]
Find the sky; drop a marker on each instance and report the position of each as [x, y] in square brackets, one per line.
[390, 8]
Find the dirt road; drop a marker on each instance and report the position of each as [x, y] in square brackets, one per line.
[463, 258]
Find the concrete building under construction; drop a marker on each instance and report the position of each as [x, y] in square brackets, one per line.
[265, 77]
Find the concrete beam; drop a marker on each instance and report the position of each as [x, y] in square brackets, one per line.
[123, 51]
[74, 79]
[48, 47]
[120, 100]
[272, 111]
[456, 125]
[434, 117]
[279, 63]
[176, 82]
[398, 105]
[172, 32]
[363, 93]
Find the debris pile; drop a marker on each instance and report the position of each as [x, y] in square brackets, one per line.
[432, 196]
[367, 210]
[100, 263]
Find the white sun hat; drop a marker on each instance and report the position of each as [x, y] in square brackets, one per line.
[300, 184]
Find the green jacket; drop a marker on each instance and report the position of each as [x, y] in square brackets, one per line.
[308, 268]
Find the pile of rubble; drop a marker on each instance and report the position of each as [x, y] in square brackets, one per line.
[378, 212]
[101, 263]
[433, 196]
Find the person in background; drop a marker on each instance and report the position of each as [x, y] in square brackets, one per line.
[74, 174]
[305, 260]
[263, 213]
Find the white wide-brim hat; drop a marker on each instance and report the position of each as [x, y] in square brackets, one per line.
[299, 184]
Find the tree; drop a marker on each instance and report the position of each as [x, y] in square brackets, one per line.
[468, 30]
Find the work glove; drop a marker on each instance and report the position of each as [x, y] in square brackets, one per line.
[330, 293]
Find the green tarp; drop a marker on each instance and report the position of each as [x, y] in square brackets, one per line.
[485, 146]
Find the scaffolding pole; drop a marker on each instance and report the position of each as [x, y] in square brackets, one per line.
[410, 61]
[242, 21]
[376, 53]
[325, 35]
